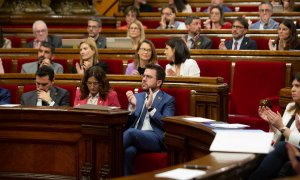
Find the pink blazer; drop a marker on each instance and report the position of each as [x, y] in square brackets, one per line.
[111, 99]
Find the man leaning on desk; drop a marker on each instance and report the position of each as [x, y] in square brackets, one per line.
[45, 94]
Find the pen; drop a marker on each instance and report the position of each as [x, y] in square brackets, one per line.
[195, 166]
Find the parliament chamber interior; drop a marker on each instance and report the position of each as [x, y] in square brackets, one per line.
[69, 143]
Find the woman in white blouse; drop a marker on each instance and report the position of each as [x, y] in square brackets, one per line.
[181, 65]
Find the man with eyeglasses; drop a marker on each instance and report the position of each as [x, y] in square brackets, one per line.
[94, 29]
[239, 41]
[168, 15]
[45, 94]
[266, 22]
[193, 39]
[44, 57]
[40, 32]
[145, 131]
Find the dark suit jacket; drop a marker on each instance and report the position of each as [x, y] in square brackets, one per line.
[4, 96]
[59, 96]
[247, 44]
[203, 42]
[164, 105]
[101, 42]
[55, 40]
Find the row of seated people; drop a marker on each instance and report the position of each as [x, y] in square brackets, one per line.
[189, 7]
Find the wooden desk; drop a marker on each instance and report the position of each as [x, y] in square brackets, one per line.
[61, 143]
[188, 142]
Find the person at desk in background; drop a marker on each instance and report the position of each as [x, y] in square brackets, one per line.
[88, 57]
[287, 5]
[265, 11]
[94, 29]
[131, 14]
[181, 6]
[239, 41]
[4, 42]
[218, 3]
[193, 39]
[44, 57]
[95, 89]
[287, 37]
[136, 32]
[4, 96]
[285, 128]
[216, 19]
[145, 130]
[45, 94]
[181, 64]
[168, 15]
[142, 5]
[40, 32]
[144, 54]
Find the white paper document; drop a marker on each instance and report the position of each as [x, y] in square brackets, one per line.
[198, 119]
[95, 107]
[9, 105]
[180, 173]
[229, 126]
[247, 141]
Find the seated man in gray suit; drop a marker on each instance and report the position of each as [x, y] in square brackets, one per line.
[193, 39]
[239, 41]
[94, 29]
[266, 22]
[45, 94]
[40, 32]
[45, 55]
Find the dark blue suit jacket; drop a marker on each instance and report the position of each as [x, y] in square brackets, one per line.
[164, 105]
[4, 96]
[247, 44]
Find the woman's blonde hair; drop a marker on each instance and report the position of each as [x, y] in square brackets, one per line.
[91, 42]
[141, 27]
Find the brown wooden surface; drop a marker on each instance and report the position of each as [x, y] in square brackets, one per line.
[209, 95]
[188, 143]
[62, 143]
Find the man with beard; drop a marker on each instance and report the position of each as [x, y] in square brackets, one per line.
[239, 41]
[168, 15]
[94, 29]
[266, 22]
[144, 127]
[193, 39]
[45, 56]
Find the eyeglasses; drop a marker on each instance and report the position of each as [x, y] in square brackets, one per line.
[41, 31]
[146, 50]
[92, 27]
[92, 83]
[134, 28]
[237, 27]
[265, 10]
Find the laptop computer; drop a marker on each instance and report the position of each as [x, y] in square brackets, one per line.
[118, 43]
[71, 43]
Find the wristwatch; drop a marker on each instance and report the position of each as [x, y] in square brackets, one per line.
[150, 109]
[282, 130]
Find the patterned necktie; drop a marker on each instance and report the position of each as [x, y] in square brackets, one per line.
[235, 45]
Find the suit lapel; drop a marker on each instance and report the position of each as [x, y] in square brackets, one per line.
[53, 93]
[158, 98]
[244, 43]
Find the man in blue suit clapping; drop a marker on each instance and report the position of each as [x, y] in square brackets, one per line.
[145, 129]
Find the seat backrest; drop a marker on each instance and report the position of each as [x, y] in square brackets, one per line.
[163, 63]
[253, 81]
[7, 65]
[159, 42]
[262, 43]
[121, 91]
[16, 42]
[115, 66]
[14, 93]
[215, 42]
[215, 68]
[151, 24]
[64, 63]
[182, 100]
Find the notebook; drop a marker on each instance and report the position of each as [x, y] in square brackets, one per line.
[118, 43]
[71, 43]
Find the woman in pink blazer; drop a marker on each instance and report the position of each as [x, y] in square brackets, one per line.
[95, 89]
